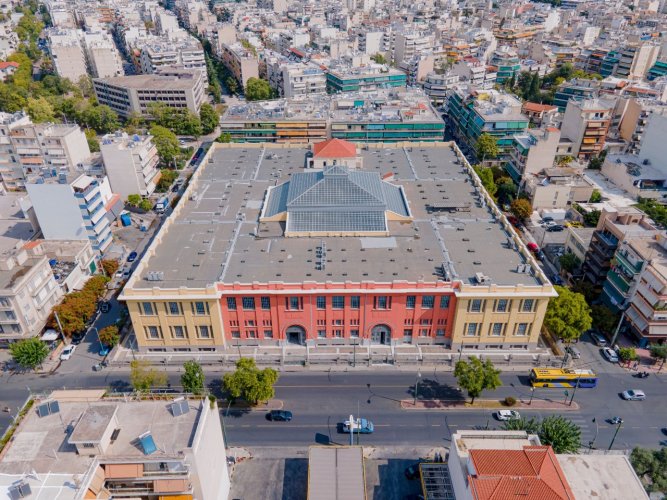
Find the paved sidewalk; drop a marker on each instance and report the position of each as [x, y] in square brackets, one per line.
[494, 404]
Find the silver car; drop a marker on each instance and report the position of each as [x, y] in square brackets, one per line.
[633, 395]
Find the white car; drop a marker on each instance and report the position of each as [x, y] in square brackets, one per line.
[633, 395]
[119, 273]
[67, 352]
[507, 415]
[610, 355]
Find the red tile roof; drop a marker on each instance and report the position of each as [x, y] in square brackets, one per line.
[530, 474]
[334, 148]
[8, 64]
[537, 108]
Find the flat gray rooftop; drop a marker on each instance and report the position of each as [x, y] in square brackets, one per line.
[217, 235]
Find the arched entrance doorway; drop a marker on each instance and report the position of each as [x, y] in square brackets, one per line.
[295, 334]
[381, 334]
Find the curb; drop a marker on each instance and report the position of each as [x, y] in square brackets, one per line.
[274, 404]
[491, 404]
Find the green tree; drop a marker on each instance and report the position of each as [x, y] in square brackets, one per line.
[40, 110]
[29, 353]
[166, 144]
[209, 118]
[143, 377]
[257, 89]
[93, 143]
[563, 435]
[643, 461]
[628, 354]
[604, 319]
[101, 118]
[192, 379]
[167, 177]
[486, 176]
[475, 376]
[145, 204]
[133, 200]
[569, 262]
[654, 210]
[658, 352]
[110, 266]
[592, 217]
[225, 137]
[596, 197]
[109, 336]
[249, 382]
[379, 58]
[507, 190]
[568, 315]
[486, 147]
[29, 27]
[521, 209]
[189, 124]
[231, 84]
[531, 425]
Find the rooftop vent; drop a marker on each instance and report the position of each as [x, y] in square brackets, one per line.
[481, 278]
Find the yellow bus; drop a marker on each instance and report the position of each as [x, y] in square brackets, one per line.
[562, 377]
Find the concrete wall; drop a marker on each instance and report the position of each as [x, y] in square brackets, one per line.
[57, 211]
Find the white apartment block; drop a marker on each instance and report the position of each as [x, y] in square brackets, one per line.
[30, 151]
[69, 59]
[103, 58]
[240, 62]
[73, 210]
[158, 52]
[370, 42]
[292, 79]
[407, 45]
[130, 163]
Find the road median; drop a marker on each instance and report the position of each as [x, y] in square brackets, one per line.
[485, 404]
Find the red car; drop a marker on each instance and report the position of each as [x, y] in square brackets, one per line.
[533, 247]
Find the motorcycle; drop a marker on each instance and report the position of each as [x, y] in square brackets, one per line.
[615, 420]
[642, 374]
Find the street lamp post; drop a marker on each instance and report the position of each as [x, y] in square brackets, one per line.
[460, 352]
[576, 385]
[532, 393]
[618, 428]
[98, 334]
[419, 375]
[592, 442]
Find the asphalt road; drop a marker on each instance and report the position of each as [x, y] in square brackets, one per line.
[320, 400]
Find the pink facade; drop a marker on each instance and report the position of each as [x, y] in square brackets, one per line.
[314, 312]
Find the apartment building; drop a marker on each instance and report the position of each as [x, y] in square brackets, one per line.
[160, 52]
[417, 68]
[635, 60]
[117, 448]
[532, 152]
[614, 226]
[436, 86]
[475, 72]
[635, 119]
[506, 60]
[575, 90]
[406, 45]
[102, 56]
[240, 61]
[67, 54]
[29, 151]
[131, 163]
[294, 79]
[370, 42]
[472, 112]
[74, 208]
[585, 126]
[364, 78]
[175, 87]
[330, 276]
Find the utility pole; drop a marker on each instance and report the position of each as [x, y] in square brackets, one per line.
[532, 393]
[60, 326]
[618, 428]
[419, 375]
[618, 329]
[576, 385]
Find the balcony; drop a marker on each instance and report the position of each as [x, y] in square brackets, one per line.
[619, 281]
[629, 266]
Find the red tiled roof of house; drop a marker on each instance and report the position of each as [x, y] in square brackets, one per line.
[334, 148]
[32, 244]
[8, 64]
[535, 107]
[531, 474]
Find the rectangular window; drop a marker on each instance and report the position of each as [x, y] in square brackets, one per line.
[268, 334]
[410, 302]
[321, 322]
[266, 303]
[408, 321]
[496, 329]
[338, 333]
[248, 303]
[178, 332]
[200, 308]
[204, 332]
[231, 303]
[147, 308]
[407, 333]
[354, 322]
[174, 308]
[471, 329]
[321, 334]
[444, 302]
[266, 322]
[425, 321]
[251, 334]
[424, 332]
[338, 322]
[152, 332]
[522, 329]
[249, 322]
[502, 305]
[475, 305]
[428, 301]
[338, 302]
[294, 303]
[382, 302]
[527, 305]
[321, 302]
[355, 300]
[354, 333]
[440, 332]
[236, 334]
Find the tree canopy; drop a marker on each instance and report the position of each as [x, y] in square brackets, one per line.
[486, 176]
[486, 147]
[109, 336]
[569, 262]
[143, 377]
[209, 118]
[568, 315]
[521, 209]
[257, 89]
[604, 319]
[249, 382]
[29, 353]
[166, 144]
[561, 434]
[475, 376]
[651, 467]
[193, 378]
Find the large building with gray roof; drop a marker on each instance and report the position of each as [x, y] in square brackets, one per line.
[267, 247]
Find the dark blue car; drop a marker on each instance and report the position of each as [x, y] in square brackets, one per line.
[132, 257]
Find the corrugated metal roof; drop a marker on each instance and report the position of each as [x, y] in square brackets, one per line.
[336, 473]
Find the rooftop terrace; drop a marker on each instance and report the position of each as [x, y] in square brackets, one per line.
[215, 234]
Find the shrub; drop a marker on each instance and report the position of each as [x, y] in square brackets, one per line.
[509, 401]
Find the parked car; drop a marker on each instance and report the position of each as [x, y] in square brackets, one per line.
[360, 425]
[412, 472]
[119, 273]
[132, 257]
[599, 339]
[555, 229]
[574, 352]
[279, 415]
[105, 307]
[547, 219]
[533, 247]
[67, 352]
[633, 395]
[77, 338]
[507, 415]
[610, 355]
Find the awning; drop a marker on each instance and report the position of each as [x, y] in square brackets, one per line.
[50, 336]
[122, 471]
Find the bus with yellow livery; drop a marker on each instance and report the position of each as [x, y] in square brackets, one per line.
[562, 377]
